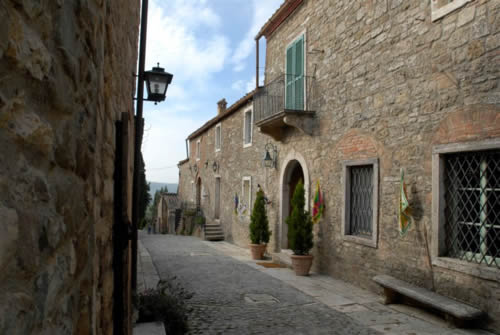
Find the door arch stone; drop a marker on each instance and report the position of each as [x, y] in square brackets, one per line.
[290, 171]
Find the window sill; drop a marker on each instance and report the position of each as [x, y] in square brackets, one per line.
[372, 243]
[439, 12]
[247, 145]
[217, 150]
[476, 270]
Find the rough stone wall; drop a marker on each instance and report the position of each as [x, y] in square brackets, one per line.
[234, 162]
[391, 85]
[66, 78]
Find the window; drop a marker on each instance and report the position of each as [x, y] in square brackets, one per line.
[294, 78]
[441, 8]
[217, 198]
[472, 206]
[246, 195]
[247, 128]
[217, 137]
[198, 150]
[360, 201]
[193, 191]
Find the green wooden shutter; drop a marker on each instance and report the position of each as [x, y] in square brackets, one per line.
[294, 78]
[299, 74]
[289, 89]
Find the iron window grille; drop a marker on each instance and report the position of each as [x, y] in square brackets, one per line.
[472, 206]
[361, 195]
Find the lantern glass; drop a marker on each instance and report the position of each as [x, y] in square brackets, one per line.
[157, 81]
[268, 161]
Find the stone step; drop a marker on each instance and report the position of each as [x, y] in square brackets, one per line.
[213, 229]
[219, 232]
[214, 232]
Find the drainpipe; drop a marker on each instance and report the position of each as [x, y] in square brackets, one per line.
[257, 63]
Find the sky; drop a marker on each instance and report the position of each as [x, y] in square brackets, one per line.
[209, 47]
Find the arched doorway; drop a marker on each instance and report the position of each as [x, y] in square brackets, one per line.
[293, 173]
[198, 193]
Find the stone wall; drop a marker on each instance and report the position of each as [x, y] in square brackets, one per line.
[391, 84]
[234, 162]
[66, 79]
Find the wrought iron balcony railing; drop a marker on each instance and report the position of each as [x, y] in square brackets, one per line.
[286, 93]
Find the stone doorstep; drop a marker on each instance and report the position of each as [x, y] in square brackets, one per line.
[149, 328]
[283, 257]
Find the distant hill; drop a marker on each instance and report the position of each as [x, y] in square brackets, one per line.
[154, 186]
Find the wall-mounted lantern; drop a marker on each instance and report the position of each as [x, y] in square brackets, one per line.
[195, 168]
[270, 156]
[215, 166]
[157, 81]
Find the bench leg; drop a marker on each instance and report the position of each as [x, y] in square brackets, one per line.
[454, 322]
[391, 297]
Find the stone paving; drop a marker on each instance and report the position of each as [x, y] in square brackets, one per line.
[234, 295]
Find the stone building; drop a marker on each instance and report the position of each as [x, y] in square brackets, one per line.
[354, 92]
[165, 216]
[66, 134]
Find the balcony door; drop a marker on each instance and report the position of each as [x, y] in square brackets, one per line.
[294, 78]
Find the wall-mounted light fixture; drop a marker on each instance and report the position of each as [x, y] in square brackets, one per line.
[270, 156]
[157, 81]
[195, 168]
[215, 166]
[206, 164]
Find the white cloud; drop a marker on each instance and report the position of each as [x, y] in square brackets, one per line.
[163, 146]
[262, 11]
[174, 40]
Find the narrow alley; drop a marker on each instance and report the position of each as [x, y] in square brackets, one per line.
[233, 294]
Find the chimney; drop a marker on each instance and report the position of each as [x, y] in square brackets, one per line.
[221, 106]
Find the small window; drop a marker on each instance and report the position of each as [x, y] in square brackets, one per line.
[193, 191]
[218, 137]
[361, 201]
[472, 206]
[246, 195]
[441, 8]
[198, 150]
[247, 129]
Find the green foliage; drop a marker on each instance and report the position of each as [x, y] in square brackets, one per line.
[259, 224]
[300, 236]
[144, 196]
[166, 303]
[199, 220]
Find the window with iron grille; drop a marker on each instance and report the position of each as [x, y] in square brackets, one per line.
[472, 206]
[360, 201]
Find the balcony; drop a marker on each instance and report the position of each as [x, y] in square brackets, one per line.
[285, 102]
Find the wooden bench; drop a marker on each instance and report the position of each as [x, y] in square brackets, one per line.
[455, 312]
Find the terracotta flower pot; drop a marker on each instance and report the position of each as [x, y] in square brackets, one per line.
[302, 264]
[257, 250]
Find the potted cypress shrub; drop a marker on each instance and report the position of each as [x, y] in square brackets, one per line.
[259, 227]
[300, 236]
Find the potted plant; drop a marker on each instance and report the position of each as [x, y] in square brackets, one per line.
[259, 227]
[300, 236]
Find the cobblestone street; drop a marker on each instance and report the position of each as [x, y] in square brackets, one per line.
[234, 295]
[232, 298]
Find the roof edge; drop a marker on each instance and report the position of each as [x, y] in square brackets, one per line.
[281, 14]
[233, 108]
